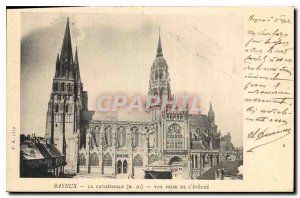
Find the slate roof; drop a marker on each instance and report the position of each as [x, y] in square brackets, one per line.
[31, 151]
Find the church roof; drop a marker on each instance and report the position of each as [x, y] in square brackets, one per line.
[51, 150]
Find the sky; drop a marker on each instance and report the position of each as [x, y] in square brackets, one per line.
[203, 52]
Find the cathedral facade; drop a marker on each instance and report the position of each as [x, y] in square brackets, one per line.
[153, 144]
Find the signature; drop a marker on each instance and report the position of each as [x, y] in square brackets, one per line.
[262, 134]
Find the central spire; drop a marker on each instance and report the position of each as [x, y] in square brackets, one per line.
[159, 48]
[159, 84]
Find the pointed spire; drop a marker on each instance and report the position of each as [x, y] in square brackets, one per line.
[76, 63]
[210, 107]
[67, 46]
[211, 114]
[76, 56]
[159, 48]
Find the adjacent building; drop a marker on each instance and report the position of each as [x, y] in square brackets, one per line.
[39, 159]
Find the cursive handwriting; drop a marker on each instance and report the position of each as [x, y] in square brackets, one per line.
[268, 76]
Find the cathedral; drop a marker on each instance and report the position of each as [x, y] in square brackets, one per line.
[155, 144]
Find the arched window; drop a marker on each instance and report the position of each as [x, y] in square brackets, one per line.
[94, 159]
[193, 161]
[205, 159]
[119, 167]
[82, 160]
[135, 135]
[175, 161]
[138, 160]
[62, 86]
[107, 161]
[174, 137]
[55, 87]
[56, 107]
[68, 87]
[124, 166]
[196, 161]
[160, 76]
[67, 108]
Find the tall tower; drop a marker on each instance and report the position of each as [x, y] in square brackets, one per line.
[65, 104]
[159, 84]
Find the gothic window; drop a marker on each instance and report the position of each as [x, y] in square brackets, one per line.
[124, 166]
[193, 161]
[119, 167]
[160, 75]
[62, 86]
[107, 136]
[67, 108]
[138, 160]
[61, 107]
[174, 137]
[151, 140]
[135, 134]
[94, 159]
[107, 161]
[55, 87]
[82, 160]
[56, 107]
[68, 87]
[205, 161]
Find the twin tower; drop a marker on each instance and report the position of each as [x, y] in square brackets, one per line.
[67, 99]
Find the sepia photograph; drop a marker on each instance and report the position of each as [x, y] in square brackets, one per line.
[150, 99]
[126, 96]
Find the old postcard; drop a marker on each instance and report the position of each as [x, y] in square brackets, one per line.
[150, 99]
